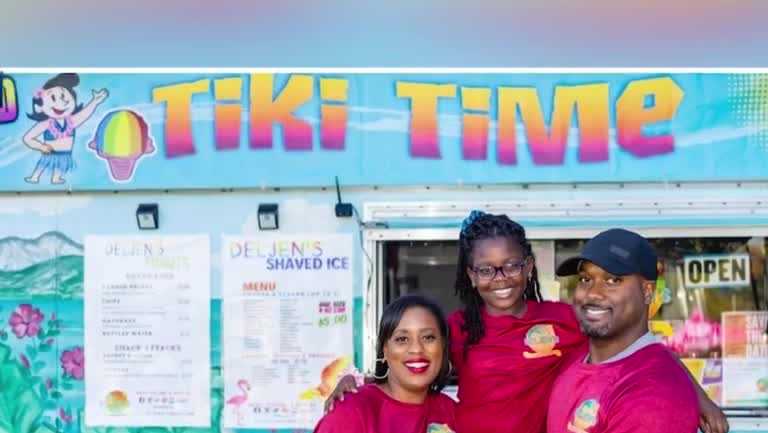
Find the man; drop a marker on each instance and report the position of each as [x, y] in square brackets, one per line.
[627, 382]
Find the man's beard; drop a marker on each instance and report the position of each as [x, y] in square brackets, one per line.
[595, 331]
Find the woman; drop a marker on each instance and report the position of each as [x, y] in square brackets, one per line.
[412, 367]
[58, 115]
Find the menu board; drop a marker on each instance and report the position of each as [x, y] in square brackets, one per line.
[147, 337]
[287, 325]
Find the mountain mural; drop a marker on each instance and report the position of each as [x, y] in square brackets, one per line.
[49, 265]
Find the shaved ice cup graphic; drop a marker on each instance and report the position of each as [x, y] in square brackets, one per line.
[121, 139]
[117, 402]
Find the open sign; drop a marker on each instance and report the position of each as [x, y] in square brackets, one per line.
[731, 270]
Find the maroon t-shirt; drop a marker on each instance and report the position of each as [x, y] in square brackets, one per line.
[646, 392]
[371, 410]
[506, 379]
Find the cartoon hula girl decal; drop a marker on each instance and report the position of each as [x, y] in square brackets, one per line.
[58, 115]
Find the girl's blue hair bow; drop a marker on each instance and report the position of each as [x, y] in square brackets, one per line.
[469, 220]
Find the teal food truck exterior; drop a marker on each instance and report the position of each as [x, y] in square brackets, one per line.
[679, 157]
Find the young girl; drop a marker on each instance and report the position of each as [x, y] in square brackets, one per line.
[58, 115]
[412, 368]
[508, 345]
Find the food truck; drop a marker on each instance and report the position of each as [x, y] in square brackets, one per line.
[219, 244]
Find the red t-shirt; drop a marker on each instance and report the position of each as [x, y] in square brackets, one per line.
[646, 392]
[371, 410]
[506, 379]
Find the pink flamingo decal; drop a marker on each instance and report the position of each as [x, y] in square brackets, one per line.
[237, 401]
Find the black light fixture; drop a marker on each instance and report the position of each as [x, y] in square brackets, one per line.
[147, 216]
[268, 216]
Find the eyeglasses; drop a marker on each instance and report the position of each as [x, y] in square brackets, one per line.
[509, 269]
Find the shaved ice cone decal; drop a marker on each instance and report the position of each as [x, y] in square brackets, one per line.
[121, 140]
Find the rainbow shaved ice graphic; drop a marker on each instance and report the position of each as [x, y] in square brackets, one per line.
[121, 139]
[328, 379]
[117, 402]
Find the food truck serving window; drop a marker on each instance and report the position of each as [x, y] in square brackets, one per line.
[710, 304]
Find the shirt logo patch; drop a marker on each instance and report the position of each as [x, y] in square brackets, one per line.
[542, 340]
[585, 417]
[439, 428]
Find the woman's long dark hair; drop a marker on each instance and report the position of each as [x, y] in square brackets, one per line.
[479, 226]
[391, 317]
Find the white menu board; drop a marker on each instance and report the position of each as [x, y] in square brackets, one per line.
[147, 331]
[287, 326]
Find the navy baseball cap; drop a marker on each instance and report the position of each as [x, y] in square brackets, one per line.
[618, 251]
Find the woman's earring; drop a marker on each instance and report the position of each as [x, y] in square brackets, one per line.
[383, 361]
